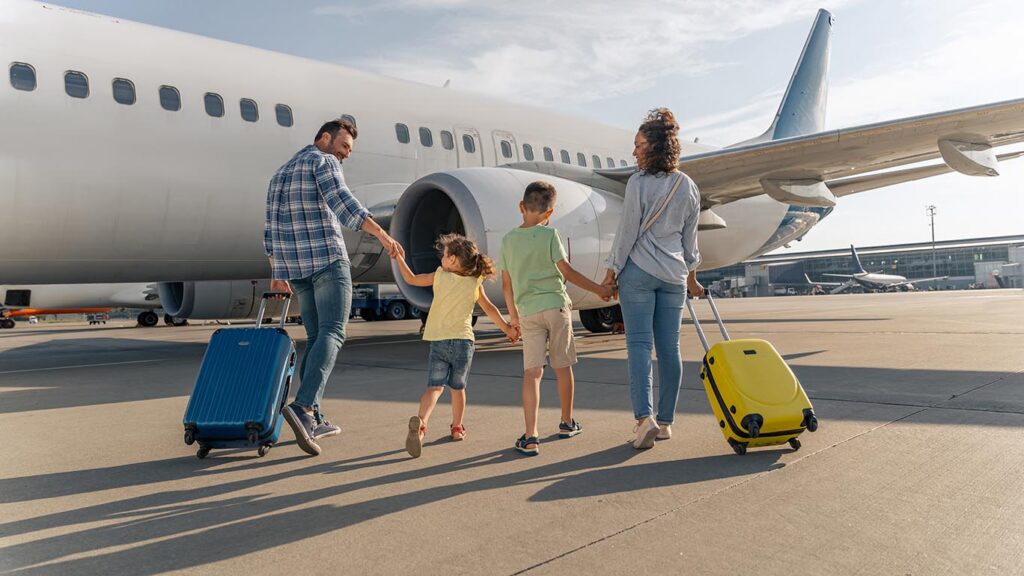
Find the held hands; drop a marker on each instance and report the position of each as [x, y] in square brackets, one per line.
[394, 249]
[610, 283]
[512, 332]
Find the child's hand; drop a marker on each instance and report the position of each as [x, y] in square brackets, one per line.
[606, 293]
[511, 333]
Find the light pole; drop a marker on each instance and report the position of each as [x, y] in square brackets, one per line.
[931, 212]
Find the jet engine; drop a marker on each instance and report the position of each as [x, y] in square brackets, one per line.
[228, 300]
[483, 204]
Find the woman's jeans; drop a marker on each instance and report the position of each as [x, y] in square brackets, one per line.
[652, 311]
[325, 300]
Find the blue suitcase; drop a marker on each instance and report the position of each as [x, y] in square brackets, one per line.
[242, 386]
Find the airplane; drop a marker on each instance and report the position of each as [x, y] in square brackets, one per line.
[875, 281]
[150, 151]
[38, 300]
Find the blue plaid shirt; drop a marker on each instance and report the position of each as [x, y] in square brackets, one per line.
[307, 204]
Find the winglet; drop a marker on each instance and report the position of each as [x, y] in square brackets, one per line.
[802, 110]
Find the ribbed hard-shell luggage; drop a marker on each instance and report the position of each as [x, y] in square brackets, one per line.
[242, 386]
[756, 398]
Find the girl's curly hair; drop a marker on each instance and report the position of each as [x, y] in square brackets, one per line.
[661, 131]
[472, 262]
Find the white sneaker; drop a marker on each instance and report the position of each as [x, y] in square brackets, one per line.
[646, 431]
[664, 432]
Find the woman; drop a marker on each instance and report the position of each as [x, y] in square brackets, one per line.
[653, 261]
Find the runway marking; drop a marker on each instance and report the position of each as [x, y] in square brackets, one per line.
[80, 366]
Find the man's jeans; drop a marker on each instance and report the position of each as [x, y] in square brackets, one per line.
[325, 300]
[652, 311]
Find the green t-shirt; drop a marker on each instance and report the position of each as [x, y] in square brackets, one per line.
[529, 256]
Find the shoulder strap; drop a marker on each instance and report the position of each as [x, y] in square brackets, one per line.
[654, 217]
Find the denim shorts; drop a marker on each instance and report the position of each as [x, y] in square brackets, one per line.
[449, 363]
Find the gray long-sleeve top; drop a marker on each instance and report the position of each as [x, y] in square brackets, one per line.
[668, 250]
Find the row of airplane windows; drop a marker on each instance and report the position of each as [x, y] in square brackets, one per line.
[76, 85]
[469, 146]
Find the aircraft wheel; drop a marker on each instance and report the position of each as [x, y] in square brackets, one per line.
[172, 321]
[600, 320]
[7, 323]
[148, 319]
[396, 311]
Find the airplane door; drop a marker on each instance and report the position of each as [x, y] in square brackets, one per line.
[505, 149]
[468, 145]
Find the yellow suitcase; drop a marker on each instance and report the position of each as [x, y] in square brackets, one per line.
[756, 398]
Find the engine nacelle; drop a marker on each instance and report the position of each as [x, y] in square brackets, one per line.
[227, 300]
[483, 204]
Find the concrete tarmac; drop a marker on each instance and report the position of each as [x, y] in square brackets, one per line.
[917, 467]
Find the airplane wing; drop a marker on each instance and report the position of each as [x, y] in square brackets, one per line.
[914, 280]
[793, 170]
[843, 287]
[836, 275]
[821, 283]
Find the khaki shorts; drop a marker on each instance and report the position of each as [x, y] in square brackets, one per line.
[548, 334]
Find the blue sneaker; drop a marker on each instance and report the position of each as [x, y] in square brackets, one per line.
[323, 428]
[302, 424]
[569, 430]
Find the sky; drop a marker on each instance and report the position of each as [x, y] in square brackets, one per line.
[720, 65]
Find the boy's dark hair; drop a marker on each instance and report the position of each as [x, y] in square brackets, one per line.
[335, 126]
[539, 197]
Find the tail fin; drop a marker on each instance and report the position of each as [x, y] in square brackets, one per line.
[855, 266]
[802, 110]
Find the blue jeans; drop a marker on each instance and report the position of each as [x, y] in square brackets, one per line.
[449, 363]
[325, 300]
[652, 311]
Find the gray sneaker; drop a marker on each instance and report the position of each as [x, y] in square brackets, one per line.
[325, 429]
[303, 425]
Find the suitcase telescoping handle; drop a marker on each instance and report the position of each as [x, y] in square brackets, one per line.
[263, 306]
[696, 323]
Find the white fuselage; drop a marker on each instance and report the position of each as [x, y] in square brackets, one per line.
[98, 191]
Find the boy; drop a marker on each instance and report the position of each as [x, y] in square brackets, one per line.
[534, 270]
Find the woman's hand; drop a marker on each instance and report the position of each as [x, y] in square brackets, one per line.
[693, 287]
[609, 281]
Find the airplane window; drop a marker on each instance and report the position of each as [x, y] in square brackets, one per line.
[622, 163]
[528, 152]
[548, 154]
[611, 162]
[76, 84]
[170, 98]
[597, 161]
[124, 91]
[284, 115]
[468, 143]
[250, 112]
[447, 140]
[506, 149]
[426, 137]
[23, 77]
[402, 132]
[565, 157]
[214, 104]
[581, 159]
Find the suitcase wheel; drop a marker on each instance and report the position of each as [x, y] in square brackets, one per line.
[812, 423]
[262, 451]
[794, 443]
[190, 437]
[203, 452]
[252, 436]
[738, 447]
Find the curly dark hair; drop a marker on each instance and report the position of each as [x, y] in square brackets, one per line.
[661, 131]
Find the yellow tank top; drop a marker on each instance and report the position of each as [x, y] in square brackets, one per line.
[451, 313]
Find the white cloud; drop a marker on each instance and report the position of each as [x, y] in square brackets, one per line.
[573, 51]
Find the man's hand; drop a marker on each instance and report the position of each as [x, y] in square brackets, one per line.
[394, 249]
[280, 286]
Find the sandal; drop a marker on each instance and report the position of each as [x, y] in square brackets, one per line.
[523, 445]
[414, 439]
[458, 432]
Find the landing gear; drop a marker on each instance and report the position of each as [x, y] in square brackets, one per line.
[601, 320]
[148, 319]
[6, 323]
[396, 311]
[172, 321]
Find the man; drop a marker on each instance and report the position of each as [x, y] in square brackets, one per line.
[307, 203]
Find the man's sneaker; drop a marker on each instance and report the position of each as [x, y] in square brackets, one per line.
[665, 432]
[302, 424]
[325, 429]
[523, 445]
[569, 430]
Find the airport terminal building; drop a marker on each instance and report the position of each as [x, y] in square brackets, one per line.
[969, 263]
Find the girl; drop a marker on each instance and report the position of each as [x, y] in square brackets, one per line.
[449, 329]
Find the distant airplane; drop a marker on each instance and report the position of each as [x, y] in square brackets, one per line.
[46, 299]
[874, 281]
